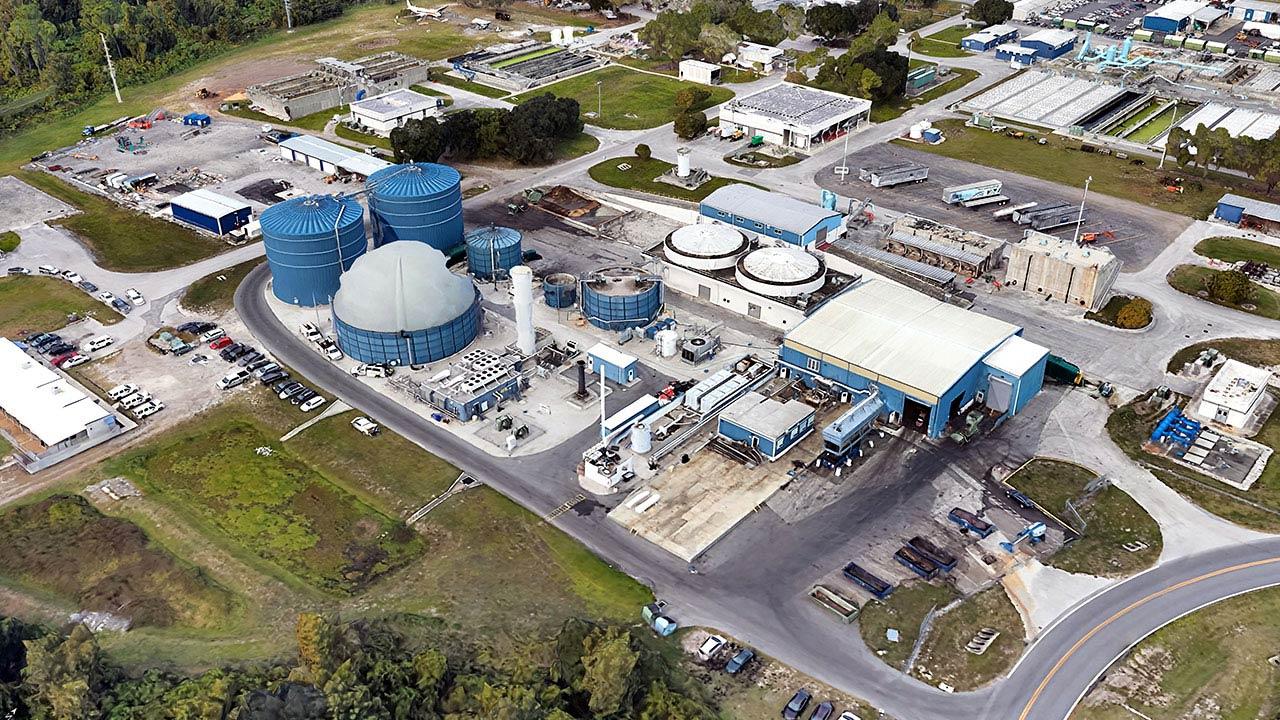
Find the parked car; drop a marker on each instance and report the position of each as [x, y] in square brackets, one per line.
[62, 357]
[264, 369]
[847, 715]
[824, 711]
[312, 404]
[795, 707]
[710, 647]
[273, 376]
[122, 391]
[739, 661]
[87, 286]
[233, 378]
[58, 348]
[212, 334]
[239, 351]
[219, 343]
[373, 370]
[48, 270]
[332, 351]
[72, 277]
[74, 360]
[293, 387]
[19, 270]
[98, 342]
[148, 409]
[1021, 499]
[105, 297]
[44, 340]
[364, 425]
[196, 326]
[250, 357]
[311, 332]
[305, 395]
[121, 306]
[134, 296]
[257, 365]
[228, 353]
[132, 401]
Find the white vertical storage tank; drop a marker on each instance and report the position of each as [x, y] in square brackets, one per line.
[641, 438]
[568, 35]
[668, 342]
[683, 164]
[522, 289]
[916, 132]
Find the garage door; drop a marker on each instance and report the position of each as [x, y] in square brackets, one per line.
[999, 394]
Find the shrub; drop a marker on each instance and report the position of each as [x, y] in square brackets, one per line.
[1134, 315]
[690, 125]
[1230, 286]
[643, 152]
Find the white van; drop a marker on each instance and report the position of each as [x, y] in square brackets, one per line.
[95, 344]
[120, 392]
[212, 335]
[233, 378]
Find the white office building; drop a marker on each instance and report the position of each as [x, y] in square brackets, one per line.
[794, 115]
[1234, 395]
[383, 113]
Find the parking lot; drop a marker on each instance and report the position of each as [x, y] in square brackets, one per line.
[1141, 233]
[1121, 16]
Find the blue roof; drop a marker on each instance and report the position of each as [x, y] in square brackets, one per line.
[493, 236]
[414, 180]
[312, 216]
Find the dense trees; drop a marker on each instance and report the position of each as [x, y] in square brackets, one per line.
[991, 12]
[713, 28]
[359, 670]
[841, 20]
[877, 75]
[527, 133]
[1230, 286]
[1209, 149]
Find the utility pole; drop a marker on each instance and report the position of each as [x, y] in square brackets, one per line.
[599, 101]
[288, 15]
[1080, 218]
[111, 68]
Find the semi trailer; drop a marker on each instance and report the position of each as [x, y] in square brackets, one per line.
[890, 175]
[961, 194]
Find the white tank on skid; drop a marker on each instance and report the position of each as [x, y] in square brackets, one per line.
[668, 342]
[916, 132]
[641, 438]
[557, 36]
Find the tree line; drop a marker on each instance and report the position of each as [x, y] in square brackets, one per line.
[527, 133]
[1205, 149]
[51, 54]
[356, 670]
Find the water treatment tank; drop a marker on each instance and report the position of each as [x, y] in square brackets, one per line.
[781, 272]
[416, 201]
[492, 252]
[310, 241]
[668, 342]
[400, 304]
[916, 132]
[705, 246]
[620, 297]
[560, 290]
[641, 438]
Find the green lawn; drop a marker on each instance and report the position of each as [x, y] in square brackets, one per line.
[1233, 249]
[959, 77]
[314, 122]
[1192, 279]
[577, 146]
[9, 241]
[290, 515]
[1214, 658]
[904, 611]
[641, 177]
[475, 87]
[448, 99]
[43, 303]
[213, 295]
[631, 100]
[356, 136]
[1061, 161]
[945, 43]
[1112, 518]
[943, 655]
[63, 546]
[913, 16]
[123, 240]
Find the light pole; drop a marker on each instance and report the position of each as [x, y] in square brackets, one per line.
[1080, 218]
[599, 101]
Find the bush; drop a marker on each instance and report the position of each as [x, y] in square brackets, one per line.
[643, 152]
[1134, 315]
[1230, 286]
[689, 125]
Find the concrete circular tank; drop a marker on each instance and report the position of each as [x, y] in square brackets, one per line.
[310, 242]
[560, 290]
[399, 304]
[781, 271]
[421, 202]
[621, 297]
[492, 251]
[705, 246]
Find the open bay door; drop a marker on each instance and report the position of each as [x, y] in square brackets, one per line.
[999, 394]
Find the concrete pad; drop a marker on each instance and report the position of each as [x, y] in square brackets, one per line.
[1042, 594]
[31, 205]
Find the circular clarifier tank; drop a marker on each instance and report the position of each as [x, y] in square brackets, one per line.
[781, 271]
[705, 246]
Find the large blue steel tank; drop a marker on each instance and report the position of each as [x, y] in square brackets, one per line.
[560, 290]
[310, 242]
[400, 304]
[492, 252]
[416, 201]
[617, 298]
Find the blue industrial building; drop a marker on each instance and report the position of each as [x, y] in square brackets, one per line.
[1255, 11]
[197, 119]
[1173, 17]
[1050, 44]
[399, 304]
[310, 241]
[416, 201]
[621, 297]
[1016, 54]
[769, 425]
[617, 366]
[929, 362]
[989, 37]
[210, 211]
[1248, 212]
[477, 382]
[768, 214]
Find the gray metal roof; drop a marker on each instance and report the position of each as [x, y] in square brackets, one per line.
[764, 416]
[906, 265]
[350, 160]
[934, 246]
[210, 203]
[1256, 208]
[800, 104]
[770, 208]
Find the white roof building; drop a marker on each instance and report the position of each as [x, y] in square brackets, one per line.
[1178, 10]
[700, 72]
[760, 56]
[383, 113]
[328, 157]
[1234, 395]
[794, 115]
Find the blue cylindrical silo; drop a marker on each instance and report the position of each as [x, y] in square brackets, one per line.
[310, 242]
[617, 298]
[493, 251]
[416, 201]
[560, 290]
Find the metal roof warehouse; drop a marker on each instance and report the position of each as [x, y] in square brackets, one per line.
[794, 115]
[209, 210]
[328, 157]
[771, 214]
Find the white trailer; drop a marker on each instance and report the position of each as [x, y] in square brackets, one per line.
[890, 175]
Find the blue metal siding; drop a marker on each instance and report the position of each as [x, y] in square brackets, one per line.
[1161, 25]
[620, 375]
[1047, 51]
[761, 226]
[620, 312]
[894, 399]
[1020, 59]
[770, 447]
[1230, 213]
[410, 347]
[416, 201]
[229, 222]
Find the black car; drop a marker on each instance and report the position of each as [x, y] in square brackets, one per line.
[87, 286]
[739, 661]
[288, 391]
[257, 364]
[273, 376]
[34, 339]
[1022, 500]
[241, 351]
[121, 306]
[228, 353]
[795, 708]
[282, 385]
[303, 396]
[58, 348]
[196, 327]
[250, 357]
[824, 711]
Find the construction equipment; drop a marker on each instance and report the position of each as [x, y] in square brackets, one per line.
[1032, 534]
[972, 424]
[205, 94]
[470, 75]
[1092, 237]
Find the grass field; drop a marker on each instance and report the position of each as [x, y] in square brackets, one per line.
[1247, 350]
[1210, 664]
[358, 137]
[884, 112]
[1233, 249]
[641, 177]
[632, 100]
[43, 303]
[45, 542]
[211, 295]
[945, 43]
[290, 515]
[475, 87]
[121, 239]
[913, 17]
[1191, 279]
[314, 122]
[943, 656]
[904, 611]
[1112, 518]
[9, 241]
[448, 99]
[1060, 161]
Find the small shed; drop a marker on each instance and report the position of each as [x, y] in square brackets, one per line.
[1016, 54]
[769, 425]
[615, 364]
[1249, 213]
[197, 119]
[1235, 394]
[211, 211]
[700, 72]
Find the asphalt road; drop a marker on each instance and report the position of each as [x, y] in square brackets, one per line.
[757, 593]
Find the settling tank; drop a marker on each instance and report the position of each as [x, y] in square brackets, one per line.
[560, 290]
[310, 242]
[492, 252]
[416, 201]
[621, 297]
